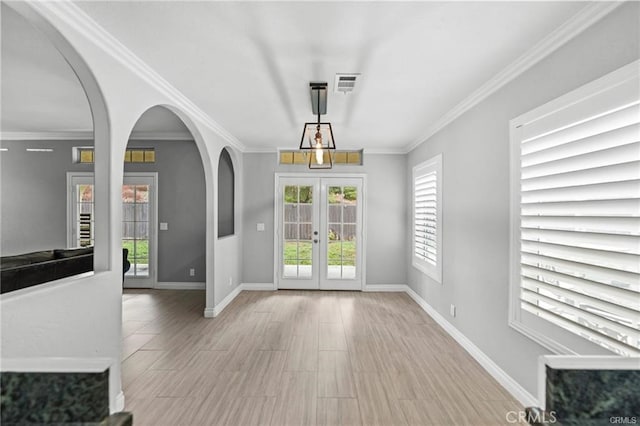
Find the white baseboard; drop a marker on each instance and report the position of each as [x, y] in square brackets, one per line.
[513, 387]
[223, 304]
[258, 286]
[386, 287]
[215, 311]
[166, 285]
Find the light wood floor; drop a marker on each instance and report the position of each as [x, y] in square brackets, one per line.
[299, 358]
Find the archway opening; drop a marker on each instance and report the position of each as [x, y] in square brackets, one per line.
[163, 205]
[47, 220]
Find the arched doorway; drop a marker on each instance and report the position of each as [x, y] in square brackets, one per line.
[45, 116]
[164, 205]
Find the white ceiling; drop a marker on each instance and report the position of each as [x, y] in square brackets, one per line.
[248, 64]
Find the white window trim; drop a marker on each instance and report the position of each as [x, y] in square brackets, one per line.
[433, 164]
[549, 335]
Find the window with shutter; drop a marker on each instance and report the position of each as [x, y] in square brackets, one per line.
[576, 216]
[427, 223]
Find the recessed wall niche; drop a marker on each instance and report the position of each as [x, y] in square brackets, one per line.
[226, 195]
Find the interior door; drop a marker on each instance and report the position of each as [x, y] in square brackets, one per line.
[319, 233]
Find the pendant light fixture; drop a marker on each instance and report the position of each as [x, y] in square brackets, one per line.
[318, 137]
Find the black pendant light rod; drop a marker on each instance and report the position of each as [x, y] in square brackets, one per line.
[318, 90]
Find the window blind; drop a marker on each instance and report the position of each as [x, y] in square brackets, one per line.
[580, 217]
[427, 217]
[425, 205]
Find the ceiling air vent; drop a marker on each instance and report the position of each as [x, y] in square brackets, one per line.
[346, 83]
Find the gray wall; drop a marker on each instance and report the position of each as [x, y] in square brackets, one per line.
[34, 196]
[182, 204]
[475, 151]
[34, 201]
[386, 212]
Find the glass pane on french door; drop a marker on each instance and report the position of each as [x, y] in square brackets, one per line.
[84, 217]
[342, 246]
[298, 229]
[135, 228]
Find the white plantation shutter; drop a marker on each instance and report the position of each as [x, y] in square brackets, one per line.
[579, 211]
[427, 229]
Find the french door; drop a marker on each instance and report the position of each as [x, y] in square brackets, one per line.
[138, 222]
[319, 233]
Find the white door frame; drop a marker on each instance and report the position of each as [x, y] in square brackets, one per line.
[311, 282]
[327, 283]
[276, 217]
[71, 176]
[152, 280]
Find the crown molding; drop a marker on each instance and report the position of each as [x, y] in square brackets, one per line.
[75, 17]
[582, 20]
[385, 151]
[84, 135]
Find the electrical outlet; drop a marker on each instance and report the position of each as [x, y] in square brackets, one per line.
[230, 281]
[452, 310]
[192, 272]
